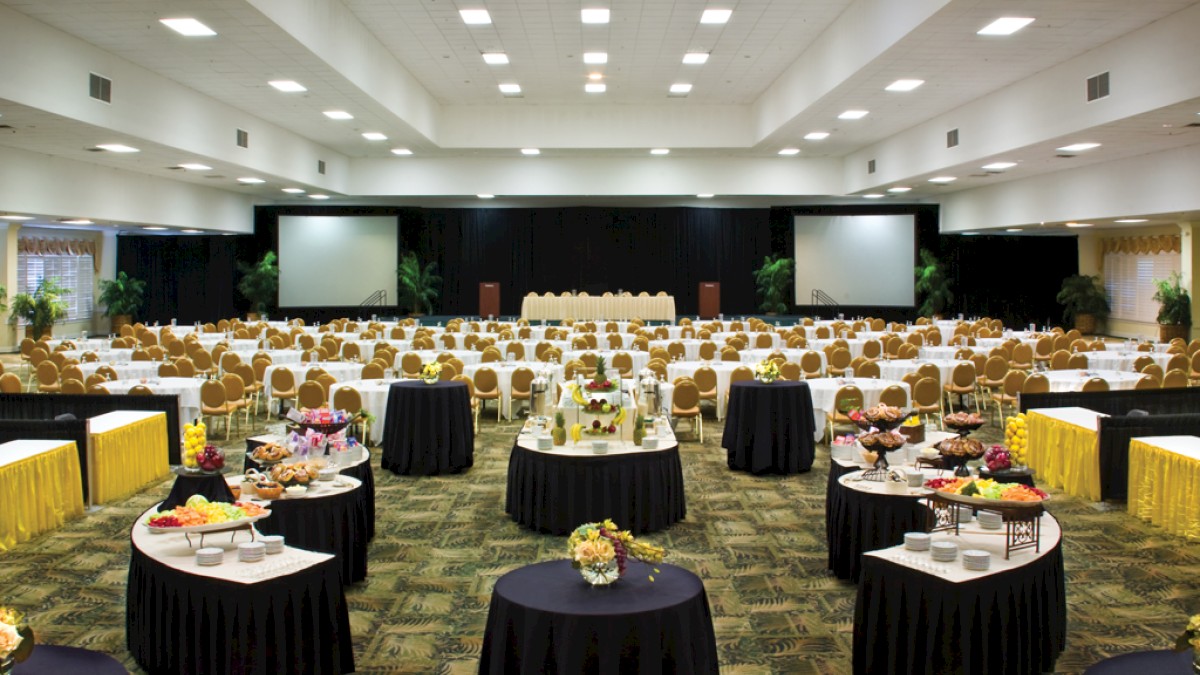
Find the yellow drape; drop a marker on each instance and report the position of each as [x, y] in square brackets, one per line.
[38, 494]
[127, 458]
[1164, 488]
[1065, 455]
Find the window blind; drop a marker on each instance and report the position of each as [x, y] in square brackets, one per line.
[70, 271]
[1129, 280]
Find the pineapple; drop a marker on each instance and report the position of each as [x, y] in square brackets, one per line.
[639, 429]
[600, 378]
[559, 433]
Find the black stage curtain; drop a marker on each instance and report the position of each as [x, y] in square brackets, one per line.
[189, 278]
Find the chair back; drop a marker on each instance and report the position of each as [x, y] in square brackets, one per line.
[1014, 380]
[686, 397]
[810, 363]
[1095, 384]
[1146, 382]
[1036, 384]
[282, 379]
[10, 384]
[1077, 362]
[168, 370]
[348, 399]
[212, 394]
[1060, 359]
[372, 371]
[741, 373]
[447, 372]
[995, 368]
[623, 363]
[491, 355]
[868, 369]
[235, 386]
[184, 365]
[310, 395]
[907, 351]
[522, 381]
[516, 350]
[1175, 379]
[839, 359]
[486, 381]
[894, 395]
[706, 379]
[963, 375]
[848, 397]
[1178, 362]
[872, 349]
[790, 370]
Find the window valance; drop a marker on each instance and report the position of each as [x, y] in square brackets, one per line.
[1147, 245]
[43, 246]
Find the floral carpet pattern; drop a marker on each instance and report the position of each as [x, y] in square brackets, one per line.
[757, 542]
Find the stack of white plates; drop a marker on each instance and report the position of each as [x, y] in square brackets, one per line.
[273, 543]
[990, 520]
[916, 541]
[964, 514]
[976, 560]
[210, 556]
[944, 551]
[252, 551]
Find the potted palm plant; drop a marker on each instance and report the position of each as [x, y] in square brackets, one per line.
[417, 285]
[1084, 302]
[122, 299]
[260, 285]
[932, 285]
[1174, 308]
[40, 309]
[774, 279]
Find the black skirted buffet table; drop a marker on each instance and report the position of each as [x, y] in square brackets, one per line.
[285, 614]
[769, 427]
[861, 517]
[559, 489]
[429, 429]
[545, 618]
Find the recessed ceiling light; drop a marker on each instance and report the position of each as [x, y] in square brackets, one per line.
[943, 179]
[484, 195]
[816, 135]
[899, 188]
[338, 115]
[904, 85]
[154, 228]
[287, 85]
[191, 166]
[695, 58]
[595, 58]
[475, 17]
[1012, 229]
[403, 152]
[595, 77]
[188, 27]
[998, 166]
[76, 221]
[1079, 224]
[680, 88]
[250, 180]
[853, 115]
[192, 231]
[318, 196]
[969, 234]
[705, 195]
[530, 151]
[495, 58]
[593, 15]
[1005, 26]
[1131, 220]
[715, 15]
[510, 88]
[293, 191]
[660, 151]
[873, 195]
[374, 136]
[595, 88]
[787, 152]
[1078, 147]
[13, 216]
[117, 147]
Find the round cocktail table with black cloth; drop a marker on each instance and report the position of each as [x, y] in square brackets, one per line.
[177, 622]
[335, 524]
[429, 429]
[545, 618]
[857, 522]
[906, 621]
[362, 471]
[640, 491]
[211, 485]
[56, 660]
[1022, 476]
[1160, 662]
[769, 427]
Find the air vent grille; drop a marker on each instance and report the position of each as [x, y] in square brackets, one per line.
[100, 87]
[870, 166]
[321, 166]
[952, 138]
[243, 138]
[1097, 87]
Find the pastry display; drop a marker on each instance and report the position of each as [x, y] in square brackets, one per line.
[271, 452]
[884, 413]
[961, 447]
[268, 489]
[299, 473]
[888, 440]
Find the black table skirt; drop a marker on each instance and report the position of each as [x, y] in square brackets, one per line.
[907, 622]
[836, 471]
[769, 427]
[56, 660]
[1160, 662]
[212, 486]
[428, 429]
[361, 471]
[335, 524]
[179, 623]
[640, 492]
[545, 618]
[857, 522]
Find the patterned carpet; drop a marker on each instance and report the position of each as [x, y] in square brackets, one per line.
[758, 543]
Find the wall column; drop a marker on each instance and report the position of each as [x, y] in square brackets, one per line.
[1189, 261]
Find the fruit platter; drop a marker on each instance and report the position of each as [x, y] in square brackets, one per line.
[200, 515]
[987, 493]
[600, 384]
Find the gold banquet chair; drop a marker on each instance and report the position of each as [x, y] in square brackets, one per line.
[685, 402]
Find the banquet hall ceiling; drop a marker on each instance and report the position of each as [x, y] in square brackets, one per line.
[413, 70]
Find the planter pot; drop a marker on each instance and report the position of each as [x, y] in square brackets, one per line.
[46, 332]
[1086, 323]
[252, 316]
[119, 320]
[1166, 332]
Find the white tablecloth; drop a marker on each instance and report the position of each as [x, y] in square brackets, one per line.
[279, 357]
[1123, 360]
[897, 369]
[640, 359]
[939, 353]
[186, 388]
[128, 370]
[793, 355]
[855, 346]
[1073, 380]
[467, 357]
[824, 391]
[653, 308]
[723, 369]
[338, 369]
[374, 395]
[105, 355]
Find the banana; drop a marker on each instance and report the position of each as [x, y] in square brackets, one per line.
[619, 418]
[576, 432]
[577, 396]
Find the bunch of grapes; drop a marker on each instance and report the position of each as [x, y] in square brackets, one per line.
[619, 549]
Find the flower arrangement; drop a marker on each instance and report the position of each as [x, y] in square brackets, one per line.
[16, 639]
[600, 551]
[1190, 639]
[430, 372]
[767, 371]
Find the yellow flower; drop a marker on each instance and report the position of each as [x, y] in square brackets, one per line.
[592, 552]
[10, 639]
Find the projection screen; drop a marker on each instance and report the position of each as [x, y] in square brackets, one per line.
[858, 260]
[336, 260]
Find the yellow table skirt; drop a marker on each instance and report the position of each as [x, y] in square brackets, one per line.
[1164, 488]
[127, 458]
[39, 494]
[1065, 455]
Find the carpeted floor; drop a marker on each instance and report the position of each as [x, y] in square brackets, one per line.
[758, 543]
